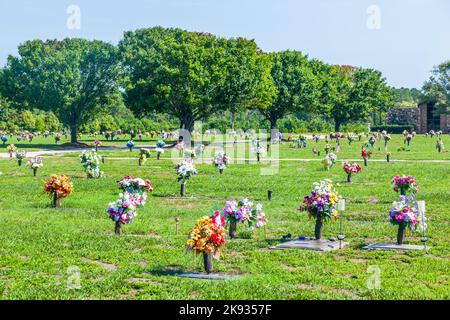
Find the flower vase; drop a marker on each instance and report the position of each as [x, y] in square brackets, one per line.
[319, 229]
[158, 156]
[10, 154]
[401, 233]
[96, 148]
[35, 171]
[103, 159]
[402, 192]
[258, 157]
[221, 171]
[366, 162]
[208, 262]
[19, 162]
[117, 228]
[388, 158]
[183, 189]
[140, 162]
[349, 178]
[56, 200]
[269, 195]
[233, 228]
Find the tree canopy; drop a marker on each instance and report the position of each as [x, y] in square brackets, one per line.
[438, 86]
[193, 75]
[73, 78]
[297, 86]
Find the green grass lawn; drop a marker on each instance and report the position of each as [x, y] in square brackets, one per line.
[39, 244]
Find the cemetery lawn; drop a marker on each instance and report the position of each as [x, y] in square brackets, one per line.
[41, 246]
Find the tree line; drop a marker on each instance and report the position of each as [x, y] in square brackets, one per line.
[188, 76]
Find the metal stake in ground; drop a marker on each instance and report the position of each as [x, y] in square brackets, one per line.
[341, 209]
[177, 221]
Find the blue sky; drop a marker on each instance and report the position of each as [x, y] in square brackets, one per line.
[414, 35]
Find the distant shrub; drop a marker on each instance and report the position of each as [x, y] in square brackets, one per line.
[394, 128]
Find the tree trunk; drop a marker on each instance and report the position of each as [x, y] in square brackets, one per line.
[187, 121]
[73, 134]
[337, 125]
[233, 120]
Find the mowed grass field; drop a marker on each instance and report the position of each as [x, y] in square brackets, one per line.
[41, 246]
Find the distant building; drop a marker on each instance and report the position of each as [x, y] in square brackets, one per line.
[424, 117]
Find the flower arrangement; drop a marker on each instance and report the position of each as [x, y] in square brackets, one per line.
[207, 237]
[405, 184]
[258, 149]
[365, 155]
[351, 169]
[244, 212]
[386, 138]
[97, 143]
[329, 160]
[185, 170]
[221, 160]
[136, 189]
[408, 138]
[11, 149]
[321, 204]
[198, 149]
[58, 186]
[405, 215]
[130, 145]
[316, 137]
[439, 145]
[91, 164]
[20, 155]
[160, 145]
[350, 138]
[122, 211]
[35, 163]
[144, 154]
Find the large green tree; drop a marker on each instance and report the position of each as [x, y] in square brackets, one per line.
[438, 86]
[356, 93]
[173, 71]
[297, 86]
[248, 83]
[74, 78]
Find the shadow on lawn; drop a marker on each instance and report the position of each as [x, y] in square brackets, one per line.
[171, 270]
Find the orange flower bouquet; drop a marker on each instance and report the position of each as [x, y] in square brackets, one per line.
[58, 187]
[207, 237]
